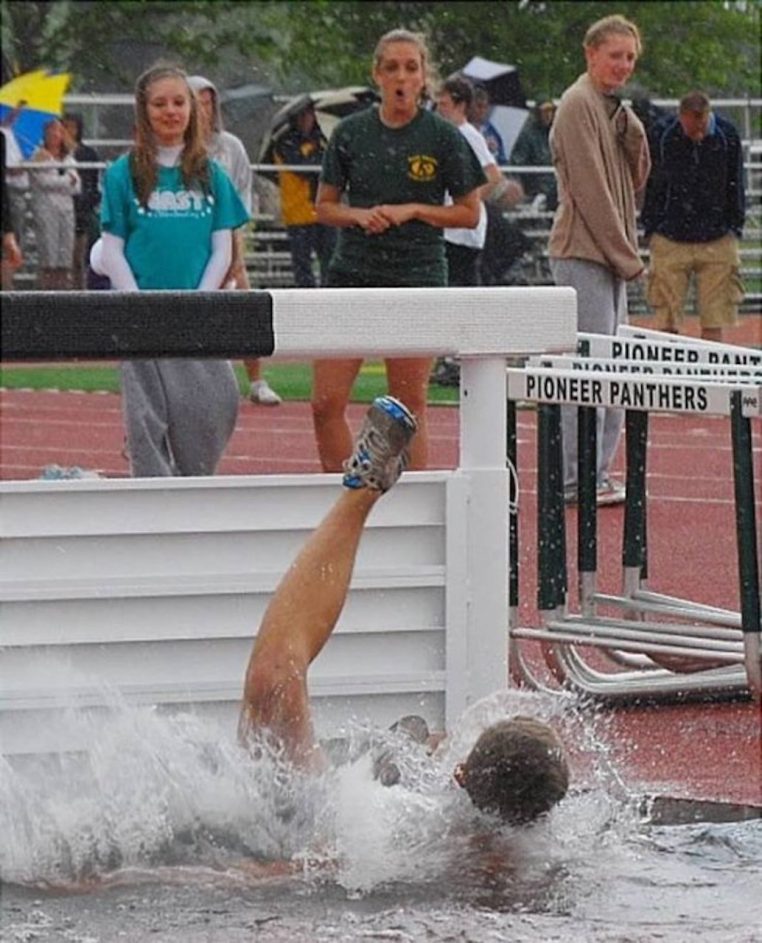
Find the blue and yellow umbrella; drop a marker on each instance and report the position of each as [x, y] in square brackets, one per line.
[29, 102]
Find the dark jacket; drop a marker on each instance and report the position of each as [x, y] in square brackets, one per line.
[86, 204]
[695, 192]
[532, 149]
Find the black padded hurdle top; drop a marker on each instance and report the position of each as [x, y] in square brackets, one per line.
[109, 325]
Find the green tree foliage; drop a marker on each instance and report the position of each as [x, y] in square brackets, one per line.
[701, 43]
[99, 40]
[710, 44]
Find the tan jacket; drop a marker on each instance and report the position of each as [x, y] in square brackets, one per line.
[601, 161]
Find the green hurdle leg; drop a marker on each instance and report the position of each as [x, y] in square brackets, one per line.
[746, 527]
[551, 524]
[634, 541]
[587, 512]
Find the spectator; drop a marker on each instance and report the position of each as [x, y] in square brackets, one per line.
[532, 149]
[694, 215]
[17, 181]
[168, 217]
[395, 163]
[303, 143]
[600, 153]
[12, 257]
[229, 152]
[463, 246]
[481, 108]
[53, 193]
[87, 202]
[648, 112]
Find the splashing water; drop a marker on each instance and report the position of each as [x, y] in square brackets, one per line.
[176, 822]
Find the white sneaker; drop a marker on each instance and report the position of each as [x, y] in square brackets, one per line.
[610, 491]
[262, 393]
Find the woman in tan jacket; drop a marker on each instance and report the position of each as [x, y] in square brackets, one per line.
[600, 154]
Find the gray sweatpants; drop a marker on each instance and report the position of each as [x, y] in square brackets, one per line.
[601, 308]
[178, 415]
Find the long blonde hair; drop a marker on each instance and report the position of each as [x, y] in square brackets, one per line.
[430, 76]
[194, 161]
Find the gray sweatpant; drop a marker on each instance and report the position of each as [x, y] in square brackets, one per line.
[178, 415]
[601, 308]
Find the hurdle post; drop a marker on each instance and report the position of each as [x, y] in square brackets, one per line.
[478, 630]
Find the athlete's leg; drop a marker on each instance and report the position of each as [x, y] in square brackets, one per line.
[309, 599]
[298, 622]
[331, 386]
[408, 380]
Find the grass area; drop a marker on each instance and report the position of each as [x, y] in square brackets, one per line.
[293, 381]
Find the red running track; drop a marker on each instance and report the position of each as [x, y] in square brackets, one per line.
[707, 751]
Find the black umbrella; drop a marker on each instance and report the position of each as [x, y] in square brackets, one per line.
[501, 81]
[331, 105]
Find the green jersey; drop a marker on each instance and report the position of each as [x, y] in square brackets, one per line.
[417, 163]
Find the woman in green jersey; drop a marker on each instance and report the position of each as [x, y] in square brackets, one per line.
[383, 183]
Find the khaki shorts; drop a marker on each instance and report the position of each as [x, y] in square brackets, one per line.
[716, 266]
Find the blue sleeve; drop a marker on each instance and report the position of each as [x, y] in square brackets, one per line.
[117, 195]
[229, 211]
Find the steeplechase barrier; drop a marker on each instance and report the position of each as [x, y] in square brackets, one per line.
[151, 590]
[691, 648]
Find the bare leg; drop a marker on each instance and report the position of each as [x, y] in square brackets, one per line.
[408, 380]
[298, 622]
[253, 370]
[260, 390]
[308, 601]
[332, 385]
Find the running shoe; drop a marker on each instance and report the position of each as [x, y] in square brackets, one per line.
[609, 491]
[381, 449]
[261, 392]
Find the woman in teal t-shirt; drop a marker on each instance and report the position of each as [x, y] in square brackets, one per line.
[394, 164]
[168, 215]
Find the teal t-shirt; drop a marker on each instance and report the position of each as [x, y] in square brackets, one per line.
[168, 243]
[417, 163]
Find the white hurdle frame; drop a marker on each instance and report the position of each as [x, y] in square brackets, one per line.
[483, 327]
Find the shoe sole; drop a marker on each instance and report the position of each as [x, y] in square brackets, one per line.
[400, 422]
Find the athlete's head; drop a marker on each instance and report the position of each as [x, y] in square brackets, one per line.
[516, 769]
